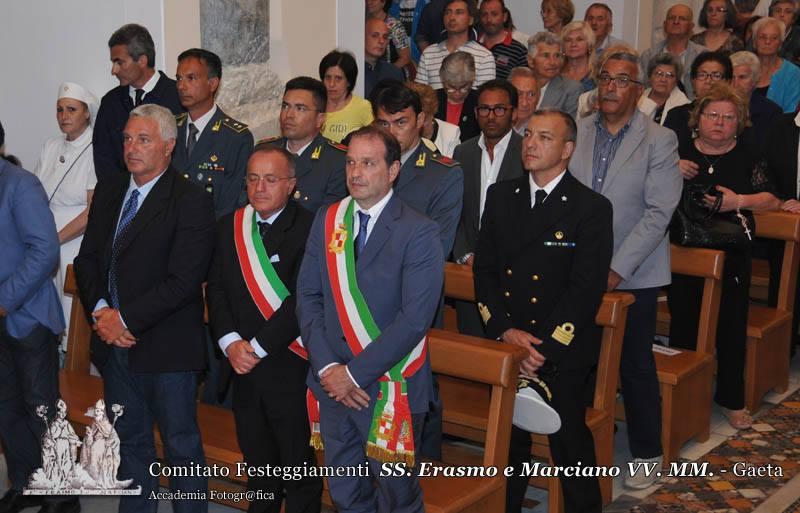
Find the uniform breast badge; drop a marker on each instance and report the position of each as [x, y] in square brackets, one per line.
[213, 158]
[337, 239]
[484, 311]
[564, 333]
[316, 153]
[559, 235]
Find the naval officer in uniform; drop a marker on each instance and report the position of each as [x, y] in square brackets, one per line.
[212, 148]
[541, 267]
[319, 167]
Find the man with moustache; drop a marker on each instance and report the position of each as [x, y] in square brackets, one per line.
[319, 168]
[633, 162]
[524, 81]
[563, 255]
[140, 273]
[546, 59]
[251, 307]
[376, 68]
[367, 292]
[212, 148]
[493, 156]
[133, 59]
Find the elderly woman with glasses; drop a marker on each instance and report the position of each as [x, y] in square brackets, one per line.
[663, 94]
[719, 116]
[718, 18]
[780, 79]
[577, 40]
[457, 99]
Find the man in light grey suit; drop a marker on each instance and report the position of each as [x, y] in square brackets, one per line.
[546, 58]
[634, 163]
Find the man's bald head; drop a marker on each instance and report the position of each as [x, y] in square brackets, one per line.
[376, 39]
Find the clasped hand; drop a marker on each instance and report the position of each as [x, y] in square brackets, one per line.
[337, 383]
[523, 339]
[108, 326]
[242, 356]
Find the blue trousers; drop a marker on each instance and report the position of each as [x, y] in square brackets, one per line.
[169, 400]
[28, 378]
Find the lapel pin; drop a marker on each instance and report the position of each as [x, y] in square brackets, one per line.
[563, 198]
[559, 235]
[516, 191]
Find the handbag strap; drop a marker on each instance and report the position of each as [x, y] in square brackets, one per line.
[68, 170]
[711, 212]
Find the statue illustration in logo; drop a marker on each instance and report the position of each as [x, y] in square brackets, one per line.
[59, 446]
[100, 454]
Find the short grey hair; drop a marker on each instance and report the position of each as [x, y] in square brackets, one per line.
[748, 59]
[665, 59]
[547, 38]
[758, 25]
[582, 26]
[162, 116]
[773, 3]
[521, 72]
[457, 68]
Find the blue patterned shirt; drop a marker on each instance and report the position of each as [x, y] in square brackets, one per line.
[605, 147]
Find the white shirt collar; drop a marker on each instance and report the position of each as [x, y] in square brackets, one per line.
[373, 212]
[271, 219]
[541, 94]
[407, 154]
[501, 145]
[301, 150]
[547, 188]
[201, 122]
[147, 87]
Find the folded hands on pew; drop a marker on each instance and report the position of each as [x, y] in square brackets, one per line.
[523, 339]
[242, 356]
[110, 328]
[336, 381]
[791, 205]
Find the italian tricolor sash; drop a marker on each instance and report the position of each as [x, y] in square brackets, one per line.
[267, 289]
[391, 437]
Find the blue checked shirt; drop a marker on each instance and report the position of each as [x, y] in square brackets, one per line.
[605, 147]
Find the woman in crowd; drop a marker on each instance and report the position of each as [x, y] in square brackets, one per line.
[398, 51]
[578, 42]
[556, 14]
[663, 94]
[786, 11]
[445, 136]
[780, 79]
[718, 18]
[719, 116]
[66, 170]
[457, 99]
[345, 111]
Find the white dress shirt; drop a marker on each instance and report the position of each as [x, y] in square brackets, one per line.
[542, 91]
[547, 188]
[233, 336]
[147, 87]
[490, 167]
[200, 123]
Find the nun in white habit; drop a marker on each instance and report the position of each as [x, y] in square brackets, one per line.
[66, 170]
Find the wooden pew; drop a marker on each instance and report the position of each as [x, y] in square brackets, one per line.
[489, 367]
[769, 329]
[686, 379]
[600, 417]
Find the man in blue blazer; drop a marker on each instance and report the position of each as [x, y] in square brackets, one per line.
[399, 271]
[30, 321]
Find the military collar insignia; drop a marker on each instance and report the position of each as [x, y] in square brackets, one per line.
[216, 126]
[420, 160]
[316, 153]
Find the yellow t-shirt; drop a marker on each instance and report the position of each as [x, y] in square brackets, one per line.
[356, 114]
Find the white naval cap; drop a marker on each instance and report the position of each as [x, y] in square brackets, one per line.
[80, 93]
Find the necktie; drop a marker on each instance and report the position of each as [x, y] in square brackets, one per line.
[138, 100]
[361, 238]
[263, 229]
[128, 213]
[540, 196]
[190, 142]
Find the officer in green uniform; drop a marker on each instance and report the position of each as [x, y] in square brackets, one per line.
[320, 162]
[212, 148]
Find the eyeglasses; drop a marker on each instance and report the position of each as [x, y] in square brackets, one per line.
[299, 108]
[497, 110]
[716, 116]
[664, 74]
[270, 179]
[714, 75]
[720, 10]
[621, 81]
[452, 89]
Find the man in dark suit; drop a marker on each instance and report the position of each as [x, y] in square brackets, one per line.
[140, 271]
[320, 161]
[378, 347]
[493, 156]
[30, 321]
[133, 60]
[541, 268]
[212, 148]
[258, 331]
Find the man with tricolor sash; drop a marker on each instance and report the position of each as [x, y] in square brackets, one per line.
[252, 316]
[367, 292]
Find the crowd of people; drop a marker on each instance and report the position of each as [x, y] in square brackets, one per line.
[552, 165]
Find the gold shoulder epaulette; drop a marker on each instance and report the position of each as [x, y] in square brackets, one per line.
[234, 125]
[180, 118]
